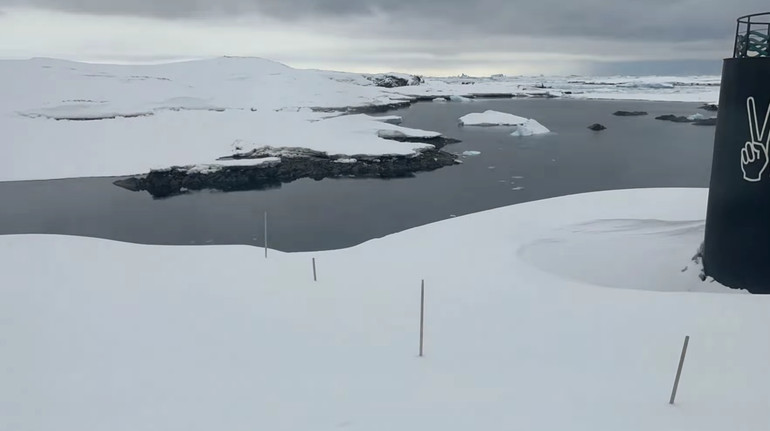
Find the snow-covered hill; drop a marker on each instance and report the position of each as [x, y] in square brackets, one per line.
[535, 320]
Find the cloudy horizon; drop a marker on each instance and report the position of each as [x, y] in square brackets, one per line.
[432, 37]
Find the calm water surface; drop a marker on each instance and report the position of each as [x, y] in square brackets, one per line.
[314, 215]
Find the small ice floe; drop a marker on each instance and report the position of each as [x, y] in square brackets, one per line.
[524, 126]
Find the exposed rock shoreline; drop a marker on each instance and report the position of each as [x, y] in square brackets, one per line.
[294, 164]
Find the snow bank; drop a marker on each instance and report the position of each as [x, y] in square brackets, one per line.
[85, 110]
[118, 336]
[44, 149]
[180, 114]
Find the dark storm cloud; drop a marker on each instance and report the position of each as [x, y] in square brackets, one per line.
[644, 20]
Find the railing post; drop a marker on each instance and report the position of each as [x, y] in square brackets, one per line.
[748, 38]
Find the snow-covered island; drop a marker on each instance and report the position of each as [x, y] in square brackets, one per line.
[63, 119]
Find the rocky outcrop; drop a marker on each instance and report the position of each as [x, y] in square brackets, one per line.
[629, 113]
[696, 120]
[711, 107]
[674, 118]
[393, 81]
[597, 127]
[705, 122]
[295, 163]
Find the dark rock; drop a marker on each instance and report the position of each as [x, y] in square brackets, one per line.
[674, 118]
[705, 122]
[295, 163]
[710, 107]
[392, 81]
[173, 181]
[629, 113]
[285, 152]
[542, 95]
[698, 260]
[597, 127]
[134, 184]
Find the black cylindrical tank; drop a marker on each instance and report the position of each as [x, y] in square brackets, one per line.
[736, 249]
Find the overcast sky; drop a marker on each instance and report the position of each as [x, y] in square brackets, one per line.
[438, 37]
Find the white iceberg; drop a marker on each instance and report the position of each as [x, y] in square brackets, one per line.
[529, 128]
[471, 153]
[524, 126]
[491, 118]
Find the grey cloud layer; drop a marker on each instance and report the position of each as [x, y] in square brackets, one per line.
[652, 20]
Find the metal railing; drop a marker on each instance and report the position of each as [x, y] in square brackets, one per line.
[752, 34]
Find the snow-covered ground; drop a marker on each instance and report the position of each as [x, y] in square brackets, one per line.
[63, 119]
[178, 114]
[539, 316]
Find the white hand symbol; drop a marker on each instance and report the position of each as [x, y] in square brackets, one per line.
[754, 154]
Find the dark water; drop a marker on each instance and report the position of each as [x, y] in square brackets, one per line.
[313, 215]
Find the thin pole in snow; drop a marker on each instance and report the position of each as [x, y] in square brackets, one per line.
[314, 274]
[679, 370]
[265, 234]
[422, 314]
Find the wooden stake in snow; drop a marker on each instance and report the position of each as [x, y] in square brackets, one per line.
[679, 370]
[314, 274]
[265, 234]
[422, 313]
